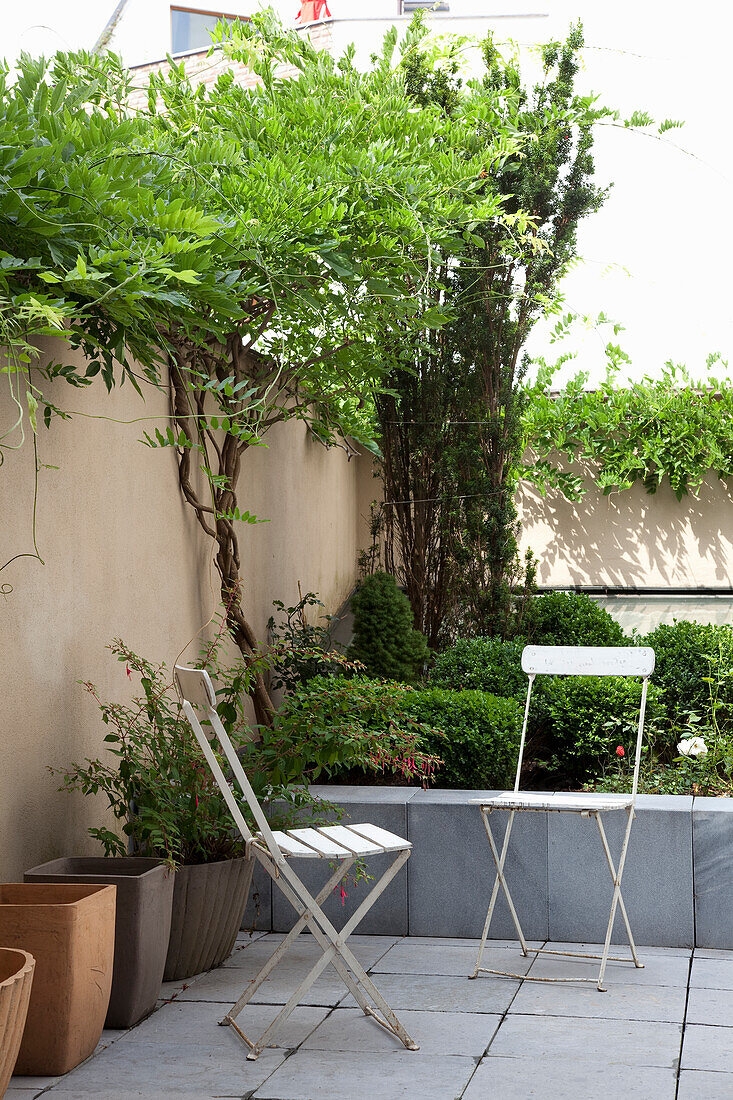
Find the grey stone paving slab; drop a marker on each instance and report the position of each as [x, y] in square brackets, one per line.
[440, 993]
[435, 1032]
[195, 1022]
[389, 914]
[405, 958]
[712, 973]
[605, 1042]
[620, 1002]
[657, 881]
[466, 941]
[227, 984]
[710, 1006]
[194, 1070]
[305, 950]
[33, 1083]
[712, 833]
[657, 969]
[513, 1079]
[700, 1085]
[452, 872]
[709, 1048]
[181, 1052]
[169, 990]
[382, 943]
[337, 1075]
[622, 948]
[112, 1092]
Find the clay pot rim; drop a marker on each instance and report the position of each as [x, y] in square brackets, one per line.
[29, 965]
[57, 903]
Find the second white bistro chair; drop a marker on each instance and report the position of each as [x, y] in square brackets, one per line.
[570, 661]
[339, 844]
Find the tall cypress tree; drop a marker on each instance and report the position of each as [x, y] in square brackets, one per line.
[451, 428]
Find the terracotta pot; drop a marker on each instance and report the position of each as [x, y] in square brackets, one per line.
[16, 976]
[142, 925]
[70, 931]
[208, 906]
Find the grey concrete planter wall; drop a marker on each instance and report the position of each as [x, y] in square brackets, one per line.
[678, 882]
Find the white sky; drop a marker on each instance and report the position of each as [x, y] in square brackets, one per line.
[658, 256]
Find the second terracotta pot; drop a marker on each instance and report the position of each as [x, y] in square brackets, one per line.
[16, 977]
[208, 906]
[70, 931]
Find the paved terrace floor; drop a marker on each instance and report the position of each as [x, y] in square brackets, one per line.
[659, 1033]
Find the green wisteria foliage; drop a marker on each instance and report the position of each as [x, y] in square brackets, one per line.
[616, 436]
[250, 246]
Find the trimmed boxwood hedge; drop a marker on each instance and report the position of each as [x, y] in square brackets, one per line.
[579, 722]
[688, 654]
[482, 664]
[475, 734]
[480, 739]
[571, 618]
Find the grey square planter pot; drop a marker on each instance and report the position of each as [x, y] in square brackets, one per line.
[143, 921]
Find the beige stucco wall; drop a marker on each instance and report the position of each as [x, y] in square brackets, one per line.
[632, 538]
[124, 557]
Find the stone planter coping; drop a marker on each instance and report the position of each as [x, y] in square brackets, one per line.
[678, 881]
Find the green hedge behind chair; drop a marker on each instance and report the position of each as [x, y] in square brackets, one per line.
[481, 736]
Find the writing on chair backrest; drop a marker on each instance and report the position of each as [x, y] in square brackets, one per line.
[582, 660]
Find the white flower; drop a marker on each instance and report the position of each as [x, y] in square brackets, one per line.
[692, 746]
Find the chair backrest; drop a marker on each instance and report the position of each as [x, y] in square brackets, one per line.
[198, 695]
[567, 660]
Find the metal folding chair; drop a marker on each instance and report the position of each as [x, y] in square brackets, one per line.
[569, 661]
[339, 844]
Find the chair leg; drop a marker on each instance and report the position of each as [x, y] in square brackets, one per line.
[278, 955]
[617, 899]
[325, 942]
[335, 952]
[499, 861]
[345, 959]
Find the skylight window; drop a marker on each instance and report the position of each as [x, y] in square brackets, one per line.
[191, 29]
[409, 6]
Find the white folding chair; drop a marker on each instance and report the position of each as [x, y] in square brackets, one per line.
[569, 661]
[341, 844]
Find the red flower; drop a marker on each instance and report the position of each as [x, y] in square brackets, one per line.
[127, 670]
[620, 751]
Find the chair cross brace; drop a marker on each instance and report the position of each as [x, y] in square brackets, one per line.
[335, 952]
[616, 902]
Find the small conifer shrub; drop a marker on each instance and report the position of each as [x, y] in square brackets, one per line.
[385, 639]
